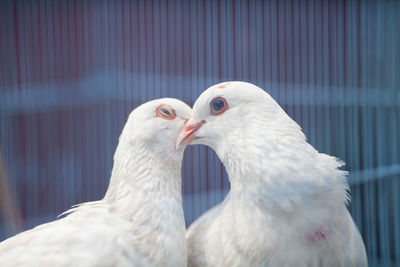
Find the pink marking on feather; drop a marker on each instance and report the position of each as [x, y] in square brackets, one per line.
[223, 85]
[316, 236]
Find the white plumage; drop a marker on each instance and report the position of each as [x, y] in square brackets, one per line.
[140, 220]
[287, 202]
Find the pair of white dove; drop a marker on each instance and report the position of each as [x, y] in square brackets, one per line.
[286, 205]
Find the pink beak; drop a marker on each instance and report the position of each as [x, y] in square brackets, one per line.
[188, 133]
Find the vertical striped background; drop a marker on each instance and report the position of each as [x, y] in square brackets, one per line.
[71, 71]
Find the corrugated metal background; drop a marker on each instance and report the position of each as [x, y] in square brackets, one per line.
[71, 71]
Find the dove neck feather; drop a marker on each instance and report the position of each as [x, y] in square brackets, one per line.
[278, 167]
[145, 191]
[144, 174]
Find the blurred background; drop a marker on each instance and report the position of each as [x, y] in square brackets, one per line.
[71, 72]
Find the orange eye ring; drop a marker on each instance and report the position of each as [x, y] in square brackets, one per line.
[165, 112]
[218, 106]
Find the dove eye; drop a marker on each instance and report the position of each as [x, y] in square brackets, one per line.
[165, 112]
[218, 106]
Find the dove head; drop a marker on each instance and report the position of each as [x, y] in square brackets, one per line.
[155, 125]
[234, 113]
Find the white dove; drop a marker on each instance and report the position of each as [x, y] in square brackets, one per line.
[287, 202]
[139, 222]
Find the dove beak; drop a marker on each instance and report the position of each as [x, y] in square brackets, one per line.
[188, 133]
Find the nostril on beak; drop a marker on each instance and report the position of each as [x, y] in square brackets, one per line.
[193, 123]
